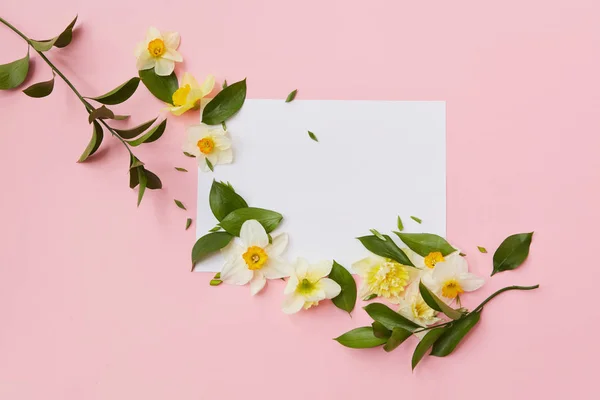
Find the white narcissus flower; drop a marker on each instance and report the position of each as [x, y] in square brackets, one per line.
[451, 277]
[413, 307]
[308, 284]
[190, 93]
[255, 260]
[208, 142]
[384, 277]
[158, 51]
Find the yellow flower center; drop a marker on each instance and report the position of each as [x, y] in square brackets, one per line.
[206, 145]
[255, 257]
[309, 304]
[451, 289]
[421, 310]
[180, 95]
[156, 48]
[433, 258]
[389, 279]
[305, 287]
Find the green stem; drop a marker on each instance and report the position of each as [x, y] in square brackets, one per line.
[433, 327]
[506, 289]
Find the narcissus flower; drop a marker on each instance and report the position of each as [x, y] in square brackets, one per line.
[413, 307]
[208, 142]
[255, 260]
[384, 277]
[308, 284]
[158, 51]
[451, 277]
[190, 94]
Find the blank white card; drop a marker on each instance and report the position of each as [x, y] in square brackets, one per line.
[374, 161]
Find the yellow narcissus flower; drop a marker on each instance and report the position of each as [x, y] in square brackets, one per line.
[451, 277]
[308, 284]
[158, 51]
[208, 143]
[384, 277]
[190, 94]
[413, 307]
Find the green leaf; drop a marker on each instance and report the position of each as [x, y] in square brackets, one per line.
[454, 334]
[208, 244]
[133, 177]
[400, 224]
[215, 282]
[225, 104]
[417, 220]
[101, 113]
[425, 243]
[370, 297]
[215, 229]
[482, 249]
[376, 233]
[143, 180]
[179, 204]
[512, 252]
[291, 96]
[185, 153]
[386, 249]
[95, 142]
[120, 94]
[40, 89]
[398, 337]
[43, 45]
[223, 200]
[133, 132]
[64, 39]
[14, 73]
[162, 87]
[360, 338]
[346, 300]
[233, 222]
[209, 164]
[380, 331]
[188, 223]
[437, 304]
[181, 169]
[425, 344]
[389, 318]
[151, 136]
[121, 117]
[225, 84]
[153, 181]
[312, 136]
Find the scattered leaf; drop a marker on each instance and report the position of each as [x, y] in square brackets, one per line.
[181, 169]
[151, 136]
[425, 243]
[162, 87]
[100, 113]
[233, 222]
[389, 318]
[437, 304]
[376, 233]
[209, 164]
[225, 84]
[482, 249]
[179, 204]
[291, 96]
[223, 200]
[95, 142]
[417, 220]
[133, 132]
[208, 244]
[370, 297]
[13, 74]
[215, 282]
[119, 94]
[347, 297]
[312, 136]
[400, 224]
[387, 249]
[185, 153]
[360, 338]
[40, 89]
[512, 252]
[425, 344]
[188, 223]
[454, 334]
[398, 337]
[225, 104]
[215, 229]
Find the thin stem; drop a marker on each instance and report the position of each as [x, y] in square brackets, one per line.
[433, 327]
[506, 289]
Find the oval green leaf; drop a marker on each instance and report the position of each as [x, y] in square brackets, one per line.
[425, 243]
[133, 132]
[387, 248]
[233, 222]
[95, 142]
[223, 200]
[454, 334]
[179, 204]
[291, 96]
[208, 244]
[120, 94]
[64, 39]
[225, 104]
[151, 136]
[425, 344]
[40, 89]
[397, 337]
[162, 87]
[346, 300]
[188, 223]
[360, 338]
[153, 182]
[512, 252]
[389, 318]
[13, 74]
[437, 304]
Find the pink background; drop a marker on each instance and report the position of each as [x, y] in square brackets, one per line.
[96, 297]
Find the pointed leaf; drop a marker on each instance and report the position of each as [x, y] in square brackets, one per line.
[209, 164]
[437, 304]
[40, 89]
[233, 222]
[454, 334]
[425, 243]
[142, 179]
[346, 300]
[512, 252]
[179, 204]
[133, 132]
[151, 136]
[416, 219]
[208, 244]
[398, 337]
[389, 318]
[162, 87]
[64, 39]
[188, 223]
[120, 94]
[387, 249]
[181, 169]
[95, 142]
[360, 338]
[223, 200]
[425, 344]
[133, 177]
[225, 104]
[153, 181]
[101, 113]
[291, 96]
[312, 136]
[43, 45]
[13, 74]
[400, 224]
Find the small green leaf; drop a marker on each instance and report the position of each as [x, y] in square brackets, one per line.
[179, 204]
[380, 331]
[215, 282]
[120, 94]
[376, 233]
[133, 177]
[95, 142]
[151, 136]
[208, 244]
[185, 153]
[133, 132]
[425, 243]
[13, 74]
[360, 338]
[417, 220]
[162, 87]
[462, 254]
[389, 318]
[100, 113]
[347, 297]
[454, 334]
[142, 179]
[437, 304]
[188, 223]
[121, 117]
[43, 45]
[387, 249]
[40, 89]
[370, 297]
[215, 229]
[425, 344]
[225, 104]
[482, 249]
[312, 136]
[181, 169]
[398, 337]
[209, 164]
[64, 39]
[291, 96]
[233, 222]
[153, 181]
[217, 276]
[400, 224]
[223, 200]
[224, 126]
[225, 84]
[512, 252]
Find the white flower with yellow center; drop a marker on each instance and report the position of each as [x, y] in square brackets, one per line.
[413, 307]
[308, 284]
[384, 277]
[208, 142]
[451, 277]
[158, 51]
[255, 260]
[190, 94]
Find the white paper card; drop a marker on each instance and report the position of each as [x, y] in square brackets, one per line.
[374, 160]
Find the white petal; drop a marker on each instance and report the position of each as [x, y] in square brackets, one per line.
[196, 132]
[222, 142]
[208, 85]
[292, 304]
[232, 251]
[363, 266]
[145, 61]
[291, 285]
[443, 271]
[278, 246]
[236, 273]
[415, 258]
[317, 295]
[330, 287]
[276, 268]
[173, 55]
[257, 283]
[225, 157]
[364, 291]
[202, 162]
[213, 158]
[470, 282]
[153, 33]
[253, 234]
[301, 267]
[164, 67]
[319, 270]
[172, 39]
[140, 48]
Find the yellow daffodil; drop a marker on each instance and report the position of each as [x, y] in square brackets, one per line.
[190, 94]
[413, 307]
[384, 277]
[158, 51]
[308, 284]
[208, 143]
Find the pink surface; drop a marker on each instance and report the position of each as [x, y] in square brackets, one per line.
[96, 297]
